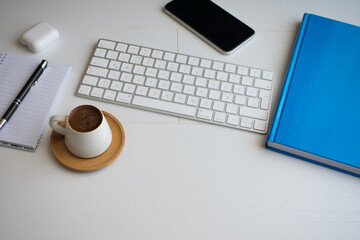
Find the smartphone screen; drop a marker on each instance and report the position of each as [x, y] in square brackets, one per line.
[212, 23]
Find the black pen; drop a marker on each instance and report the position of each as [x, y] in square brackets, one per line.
[35, 77]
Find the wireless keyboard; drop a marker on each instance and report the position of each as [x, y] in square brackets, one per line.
[177, 84]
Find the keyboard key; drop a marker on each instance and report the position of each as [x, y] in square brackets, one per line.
[219, 106]
[145, 52]
[96, 71]
[157, 54]
[184, 69]
[201, 92]
[227, 97]
[106, 44]
[252, 92]
[227, 87]
[97, 92]
[188, 89]
[247, 81]
[90, 80]
[240, 100]
[176, 87]
[104, 83]
[179, 98]
[218, 66]
[99, 52]
[231, 108]
[154, 93]
[129, 88]
[253, 102]
[140, 80]
[268, 75]
[214, 84]
[176, 77]
[151, 82]
[205, 114]
[127, 67]
[260, 125]
[148, 62]
[201, 82]
[246, 122]
[109, 94]
[169, 56]
[265, 99]
[193, 101]
[219, 117]
[205, 63]
[114, 65]
[151, 72]
[124, 97]
[243, 70]
[115, 85]
[239, 89]
[112, 55]
[121, 47]
[181, 58]
[160, 64]
[100, 62]
[255, 73]
[133, 49]
[172, 66]
[262, 84]
[209, 73]
[140, 90]
[165, 85]
[205, 103]
[85, 90]
[231, 68]
[233, 78]
[136, 59]
[222, 76]
[233, 120]
[124, 57]
[126, 77]
[194, 61]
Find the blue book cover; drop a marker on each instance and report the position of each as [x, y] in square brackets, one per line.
[318, 114]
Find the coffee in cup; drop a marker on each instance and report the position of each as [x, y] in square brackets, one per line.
[87, 133]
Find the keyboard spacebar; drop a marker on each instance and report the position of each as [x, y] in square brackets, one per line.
[164, 106]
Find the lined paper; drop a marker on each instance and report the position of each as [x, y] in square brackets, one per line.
[27, 124]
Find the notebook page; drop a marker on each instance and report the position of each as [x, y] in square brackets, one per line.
[26, 125]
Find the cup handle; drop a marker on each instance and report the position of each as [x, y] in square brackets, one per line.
[53, 122]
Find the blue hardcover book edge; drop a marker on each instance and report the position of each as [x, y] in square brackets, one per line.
[288, 134]
[288, 78]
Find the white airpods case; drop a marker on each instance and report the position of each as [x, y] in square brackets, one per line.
[39, 37]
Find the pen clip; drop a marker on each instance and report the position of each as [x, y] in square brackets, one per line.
[44, 65]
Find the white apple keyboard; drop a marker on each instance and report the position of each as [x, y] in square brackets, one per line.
[177, 84]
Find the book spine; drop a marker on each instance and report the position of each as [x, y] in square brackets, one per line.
[288, 78]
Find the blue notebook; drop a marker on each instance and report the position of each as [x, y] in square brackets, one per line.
[318, 114]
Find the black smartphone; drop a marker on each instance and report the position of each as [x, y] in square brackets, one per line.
[211, 23]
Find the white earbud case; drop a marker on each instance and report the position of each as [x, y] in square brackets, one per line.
[39, 37]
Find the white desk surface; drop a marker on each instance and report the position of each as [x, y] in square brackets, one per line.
[175, 179]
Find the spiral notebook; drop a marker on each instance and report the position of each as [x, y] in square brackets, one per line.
[26, 126]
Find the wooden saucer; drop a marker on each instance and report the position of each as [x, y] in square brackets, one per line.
[57, 144]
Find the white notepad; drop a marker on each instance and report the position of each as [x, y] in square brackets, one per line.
[25, 127]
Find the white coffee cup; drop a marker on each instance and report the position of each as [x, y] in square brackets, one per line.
[87, 133]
